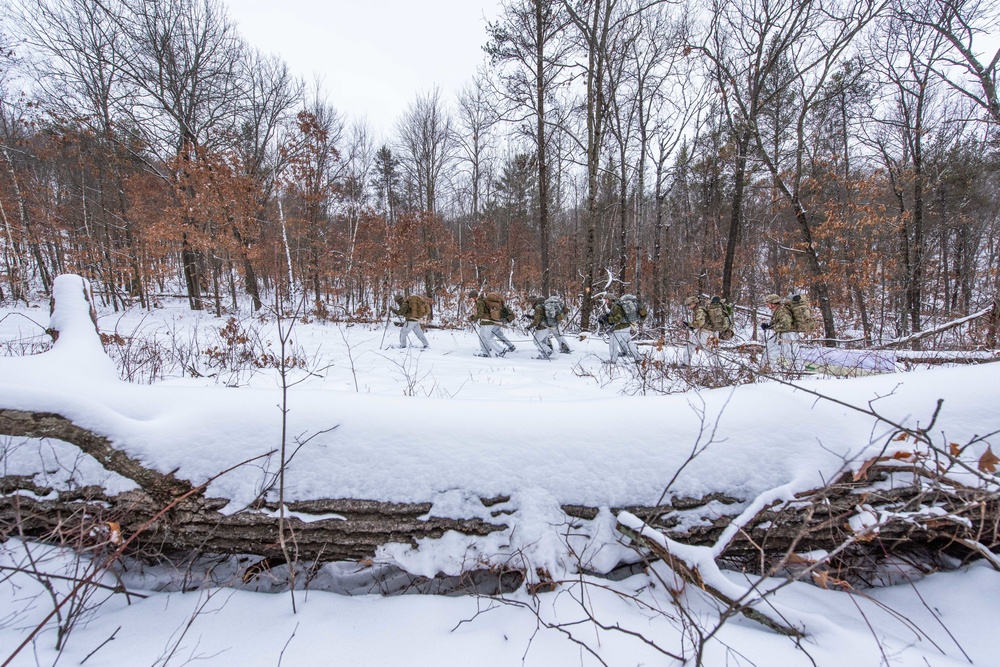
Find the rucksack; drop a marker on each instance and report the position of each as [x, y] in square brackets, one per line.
[803, 320]
[719, 318]
[419, 307]
[494, 306]
[630, 306]
[506, 314]
[554, 309]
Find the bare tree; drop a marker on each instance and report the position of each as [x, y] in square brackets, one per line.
[969, 28]
[904, 54]
[269, 94]
[477, 116]
[426, 146]
[771, 59]
[184, 58]
[528, 46]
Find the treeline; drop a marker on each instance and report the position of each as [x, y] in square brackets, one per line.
[844, 147]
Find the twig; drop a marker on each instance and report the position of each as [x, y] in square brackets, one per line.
[691, 575]
[101, 645]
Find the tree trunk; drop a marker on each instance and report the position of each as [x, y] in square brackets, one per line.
[736, 215]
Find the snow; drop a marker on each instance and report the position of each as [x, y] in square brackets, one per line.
[445, 426]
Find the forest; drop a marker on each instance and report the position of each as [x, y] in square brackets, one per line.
[216, 408]
[847, 148]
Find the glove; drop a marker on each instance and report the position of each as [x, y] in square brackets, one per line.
[765, 325]
[688, 325]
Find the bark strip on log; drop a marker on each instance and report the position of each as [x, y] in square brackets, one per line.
[197, 525]
[26, 424]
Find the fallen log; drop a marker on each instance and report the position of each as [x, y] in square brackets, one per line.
[933, 515]
[912, 338]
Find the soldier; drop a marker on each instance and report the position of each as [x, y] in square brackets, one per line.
[412, 310]
[539, 327]
[781, 341]
[700, 336]
[489, 313]
[555, 304]
[624, 316]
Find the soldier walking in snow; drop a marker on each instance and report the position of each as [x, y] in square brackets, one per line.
[546, 315]
[624, 316]
[490, 313]
[412, 309]
[555, 313]
[699, 337]
[781, 340]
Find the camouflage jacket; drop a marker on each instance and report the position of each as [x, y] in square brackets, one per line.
[781, 319]
[482, 314]
[699, 317]
[403, 310]
[617, 319]
[539, 321]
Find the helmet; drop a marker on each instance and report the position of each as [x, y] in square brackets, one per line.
[398, 298]
[691, 301]
[473, 294]
[772, 298]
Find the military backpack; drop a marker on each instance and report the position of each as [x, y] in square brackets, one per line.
[719, 318]
[494, 306]
[803, 320]
[419, 307]
[630, 306]
[554, 309]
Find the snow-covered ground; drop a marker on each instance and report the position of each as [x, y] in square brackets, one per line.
[445, 426]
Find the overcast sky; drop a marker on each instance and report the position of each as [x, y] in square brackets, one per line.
[373, 56]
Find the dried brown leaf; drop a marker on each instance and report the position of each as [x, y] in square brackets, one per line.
[988, 461]
[863, 470]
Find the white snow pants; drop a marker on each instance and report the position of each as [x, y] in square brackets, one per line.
[782, 350]
[412, 326]
[620, 342]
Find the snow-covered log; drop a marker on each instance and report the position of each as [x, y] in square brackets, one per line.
[909, 517]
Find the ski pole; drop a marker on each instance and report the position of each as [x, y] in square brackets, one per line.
[388, 316]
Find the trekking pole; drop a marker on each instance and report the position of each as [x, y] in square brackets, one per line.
[548, 356]
[388, 316]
